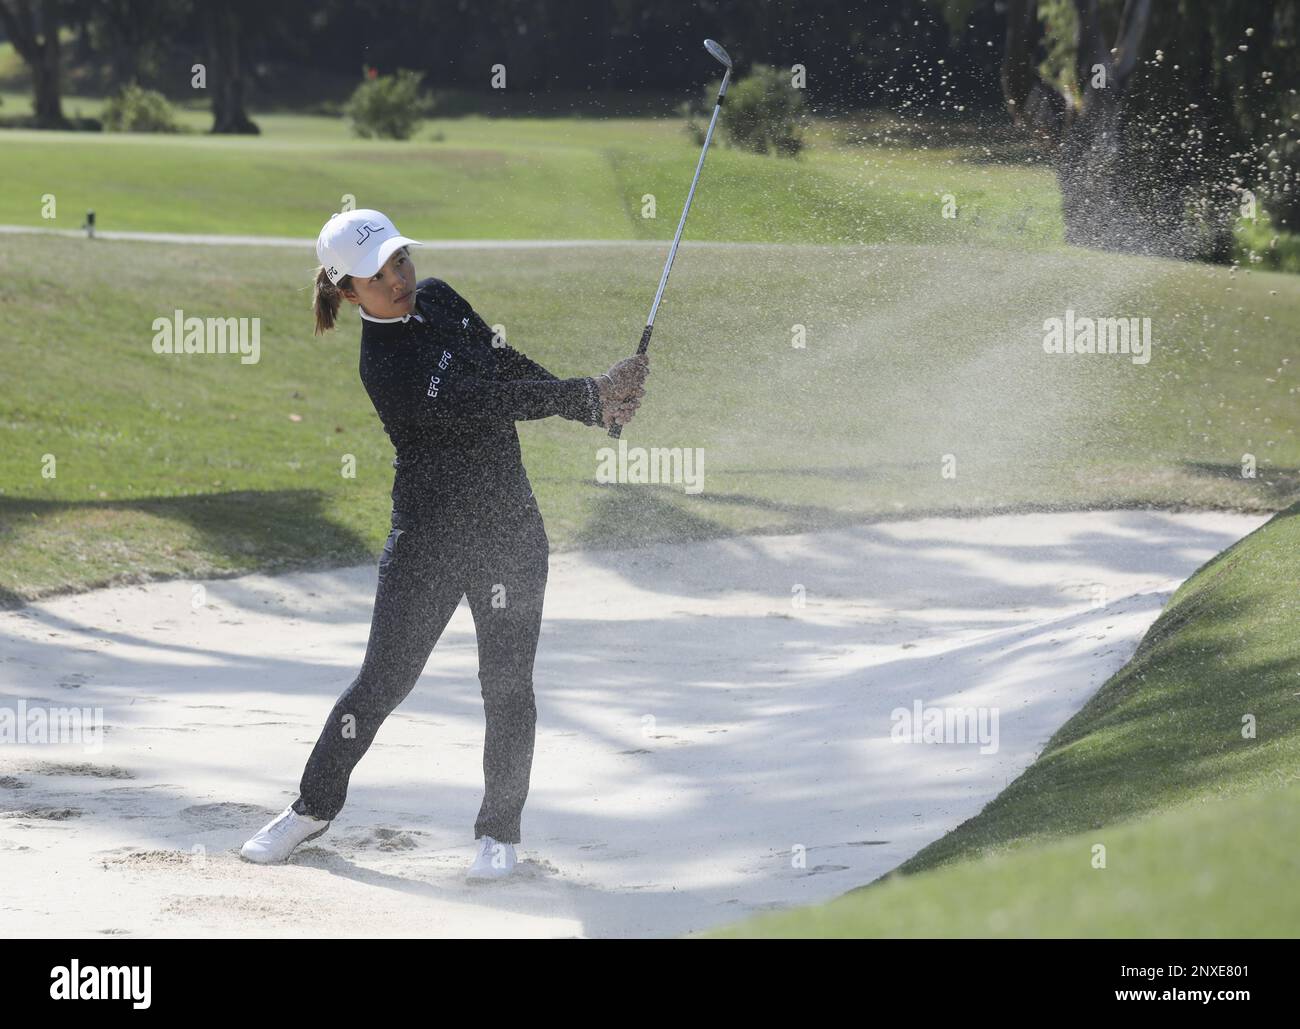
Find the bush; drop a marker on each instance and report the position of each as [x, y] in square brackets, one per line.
[134, 109]
[387, 106]
[693, 128]
[1262, 244]
[763, 112]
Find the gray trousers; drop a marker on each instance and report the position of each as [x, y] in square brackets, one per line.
[501, 565]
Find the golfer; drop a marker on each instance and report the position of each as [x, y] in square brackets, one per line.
[464, 522]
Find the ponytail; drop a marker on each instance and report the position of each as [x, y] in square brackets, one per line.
[326, 298]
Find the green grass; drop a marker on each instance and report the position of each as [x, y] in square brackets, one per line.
[1198, 818]
[922, 339]
[191, 465]
[516, 178]
[1213, 870]
[864, 179]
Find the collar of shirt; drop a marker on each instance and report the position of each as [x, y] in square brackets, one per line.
[399, 318]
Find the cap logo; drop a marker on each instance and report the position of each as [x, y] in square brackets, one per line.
[364, 230]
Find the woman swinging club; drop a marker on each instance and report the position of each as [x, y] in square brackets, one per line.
[465, 521]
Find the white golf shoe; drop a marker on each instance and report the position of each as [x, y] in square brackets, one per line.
[276, 840]
[495, 860]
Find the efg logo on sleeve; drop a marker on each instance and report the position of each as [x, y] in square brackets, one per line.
[436, 380]
[95, 982]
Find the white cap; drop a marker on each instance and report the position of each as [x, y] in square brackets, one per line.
[358, 243]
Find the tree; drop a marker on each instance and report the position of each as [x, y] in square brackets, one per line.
[1156, 116]
[136, 38]
[33, 28]
[222, 23]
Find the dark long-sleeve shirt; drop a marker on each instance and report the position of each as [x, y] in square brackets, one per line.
[449, 400]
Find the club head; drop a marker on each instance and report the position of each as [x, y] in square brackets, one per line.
[715, 48]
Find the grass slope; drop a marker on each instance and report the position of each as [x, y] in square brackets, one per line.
[1198, 817]
[518, 178]
[192, 465]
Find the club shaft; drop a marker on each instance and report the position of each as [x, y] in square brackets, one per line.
[681, 224]
[616, 430]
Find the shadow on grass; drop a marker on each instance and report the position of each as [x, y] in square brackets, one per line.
[631, 515]
[1280, 485]
[637, 515]
[592, 105]
[987, 137]
[219, 535]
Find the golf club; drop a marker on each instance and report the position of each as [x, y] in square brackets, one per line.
[714, 48]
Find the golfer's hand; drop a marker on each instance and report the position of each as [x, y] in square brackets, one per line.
[627, 378]
[614, 410]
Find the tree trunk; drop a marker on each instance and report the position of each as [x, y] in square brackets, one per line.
[225, 72]
[35, 35]
[1119, 190]
[1113, 194]
[46, 80]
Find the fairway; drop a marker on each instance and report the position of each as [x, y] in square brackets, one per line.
[915, 360]
[521, 178]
